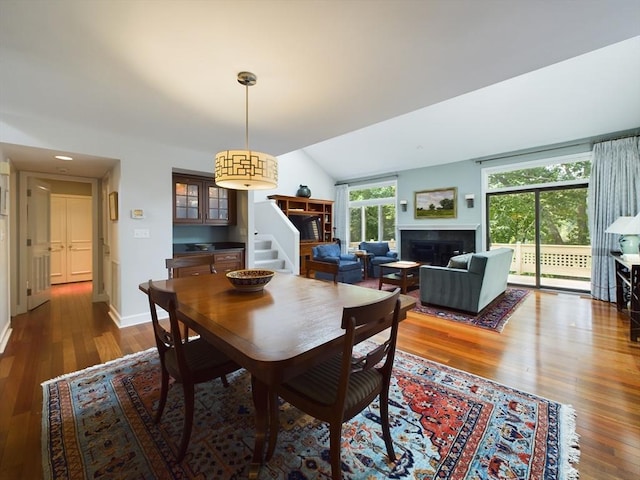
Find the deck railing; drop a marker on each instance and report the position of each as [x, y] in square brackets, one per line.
[572, 261]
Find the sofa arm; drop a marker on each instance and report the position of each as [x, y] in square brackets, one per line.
[348, 256]
[392, 254]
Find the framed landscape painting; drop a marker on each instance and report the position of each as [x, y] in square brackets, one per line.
[440, 203]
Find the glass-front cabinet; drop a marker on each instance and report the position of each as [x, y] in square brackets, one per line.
[198, 200]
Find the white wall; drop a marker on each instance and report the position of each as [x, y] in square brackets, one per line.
[295, 169]
[143, 180]
[5, 315]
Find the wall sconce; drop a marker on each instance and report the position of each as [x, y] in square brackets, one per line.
[403, 205]
[469, 197]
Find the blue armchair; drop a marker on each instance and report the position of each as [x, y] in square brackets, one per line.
[349, 266]
[381, 254]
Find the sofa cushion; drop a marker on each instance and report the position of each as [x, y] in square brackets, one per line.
[460, 261]
[379, 249]
[328, 250]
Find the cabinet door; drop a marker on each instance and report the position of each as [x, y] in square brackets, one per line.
[219, 205]
[186, 200]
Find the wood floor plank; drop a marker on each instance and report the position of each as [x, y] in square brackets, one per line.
[565, 347]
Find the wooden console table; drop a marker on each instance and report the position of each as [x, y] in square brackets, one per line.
[628, 292]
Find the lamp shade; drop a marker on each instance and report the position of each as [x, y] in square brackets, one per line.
[629, 230]
[624, 226]
[246, 170]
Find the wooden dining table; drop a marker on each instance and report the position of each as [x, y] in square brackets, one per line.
[275, 334]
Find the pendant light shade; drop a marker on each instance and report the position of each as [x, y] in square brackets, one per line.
[246, 169]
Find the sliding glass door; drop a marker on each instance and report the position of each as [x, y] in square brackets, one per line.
[548, 230]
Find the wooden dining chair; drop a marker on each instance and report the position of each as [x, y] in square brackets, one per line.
[193, 265]
[191, 262]
[340, 388]
[188, 363]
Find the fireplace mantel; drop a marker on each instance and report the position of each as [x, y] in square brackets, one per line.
[444, 226]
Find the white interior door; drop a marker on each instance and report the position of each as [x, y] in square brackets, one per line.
[71, 239]
[38, 242]
[79, 239]
[58, 239]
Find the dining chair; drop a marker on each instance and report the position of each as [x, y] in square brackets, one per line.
[338, 389]
[191, 261]
[188, 363]
[194, 264]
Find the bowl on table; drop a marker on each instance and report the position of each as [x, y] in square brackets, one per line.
[250, 279]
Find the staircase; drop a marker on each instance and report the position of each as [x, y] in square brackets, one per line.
[266, 257]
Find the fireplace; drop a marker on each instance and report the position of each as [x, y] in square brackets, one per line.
[435, 247]
[434, 252]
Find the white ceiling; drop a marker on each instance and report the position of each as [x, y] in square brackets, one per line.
[363, 86]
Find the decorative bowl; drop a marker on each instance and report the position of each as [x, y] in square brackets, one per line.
[250, 279]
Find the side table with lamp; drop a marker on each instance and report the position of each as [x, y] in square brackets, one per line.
[627, 266]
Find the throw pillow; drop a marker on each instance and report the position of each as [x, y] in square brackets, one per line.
[460, 261]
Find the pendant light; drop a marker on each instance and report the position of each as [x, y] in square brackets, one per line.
[246, 169]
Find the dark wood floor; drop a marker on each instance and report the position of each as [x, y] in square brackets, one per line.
[560, 346]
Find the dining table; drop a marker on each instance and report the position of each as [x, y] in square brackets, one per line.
[277, 333]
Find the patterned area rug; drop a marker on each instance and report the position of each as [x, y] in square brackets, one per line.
[446, 424]
[493, 317]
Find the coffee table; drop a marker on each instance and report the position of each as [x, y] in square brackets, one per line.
[407, 277]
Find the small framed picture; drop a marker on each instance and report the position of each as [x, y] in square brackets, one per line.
[113, 206]
[439, 203]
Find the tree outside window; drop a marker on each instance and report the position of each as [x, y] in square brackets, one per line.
[372, 214]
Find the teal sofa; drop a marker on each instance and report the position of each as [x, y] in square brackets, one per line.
[469, 282]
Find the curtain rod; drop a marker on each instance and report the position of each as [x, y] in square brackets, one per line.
[378, 178]
[560, 146]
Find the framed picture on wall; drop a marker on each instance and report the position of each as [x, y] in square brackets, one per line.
[439, 203]
[113, 206]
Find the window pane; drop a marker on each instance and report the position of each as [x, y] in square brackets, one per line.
[388, 222]
[377, 192]
[559, 172]
[371, 223]
[355, 225]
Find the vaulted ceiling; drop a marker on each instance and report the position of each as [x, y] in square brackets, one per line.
[364, 87]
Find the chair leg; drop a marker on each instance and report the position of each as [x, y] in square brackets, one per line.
[225, 383]
[188, 419]
[164, 389]
[274, 424]
[335, 439]
[386, 429]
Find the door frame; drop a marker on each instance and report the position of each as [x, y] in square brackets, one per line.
[98, 294]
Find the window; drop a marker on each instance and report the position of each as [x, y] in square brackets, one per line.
[372, 213]
[541, 212]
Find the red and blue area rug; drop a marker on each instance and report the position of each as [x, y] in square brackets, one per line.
[446, 424]
[493, 317]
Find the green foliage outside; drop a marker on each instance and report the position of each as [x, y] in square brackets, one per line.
[563, 212]
[372, 213]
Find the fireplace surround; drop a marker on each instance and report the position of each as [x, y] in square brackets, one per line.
[436, 246]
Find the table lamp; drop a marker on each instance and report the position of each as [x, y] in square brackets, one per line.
[629, 230]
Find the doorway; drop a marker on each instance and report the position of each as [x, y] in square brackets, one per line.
[59, 184]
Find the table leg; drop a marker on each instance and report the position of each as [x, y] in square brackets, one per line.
[260, 393]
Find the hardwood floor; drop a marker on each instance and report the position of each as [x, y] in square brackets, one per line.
[560, 346]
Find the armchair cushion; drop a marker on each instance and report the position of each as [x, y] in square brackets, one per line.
[460, 261]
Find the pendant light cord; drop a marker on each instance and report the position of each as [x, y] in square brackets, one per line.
[246, 116]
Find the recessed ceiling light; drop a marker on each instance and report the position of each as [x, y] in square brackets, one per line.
[63, 157]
